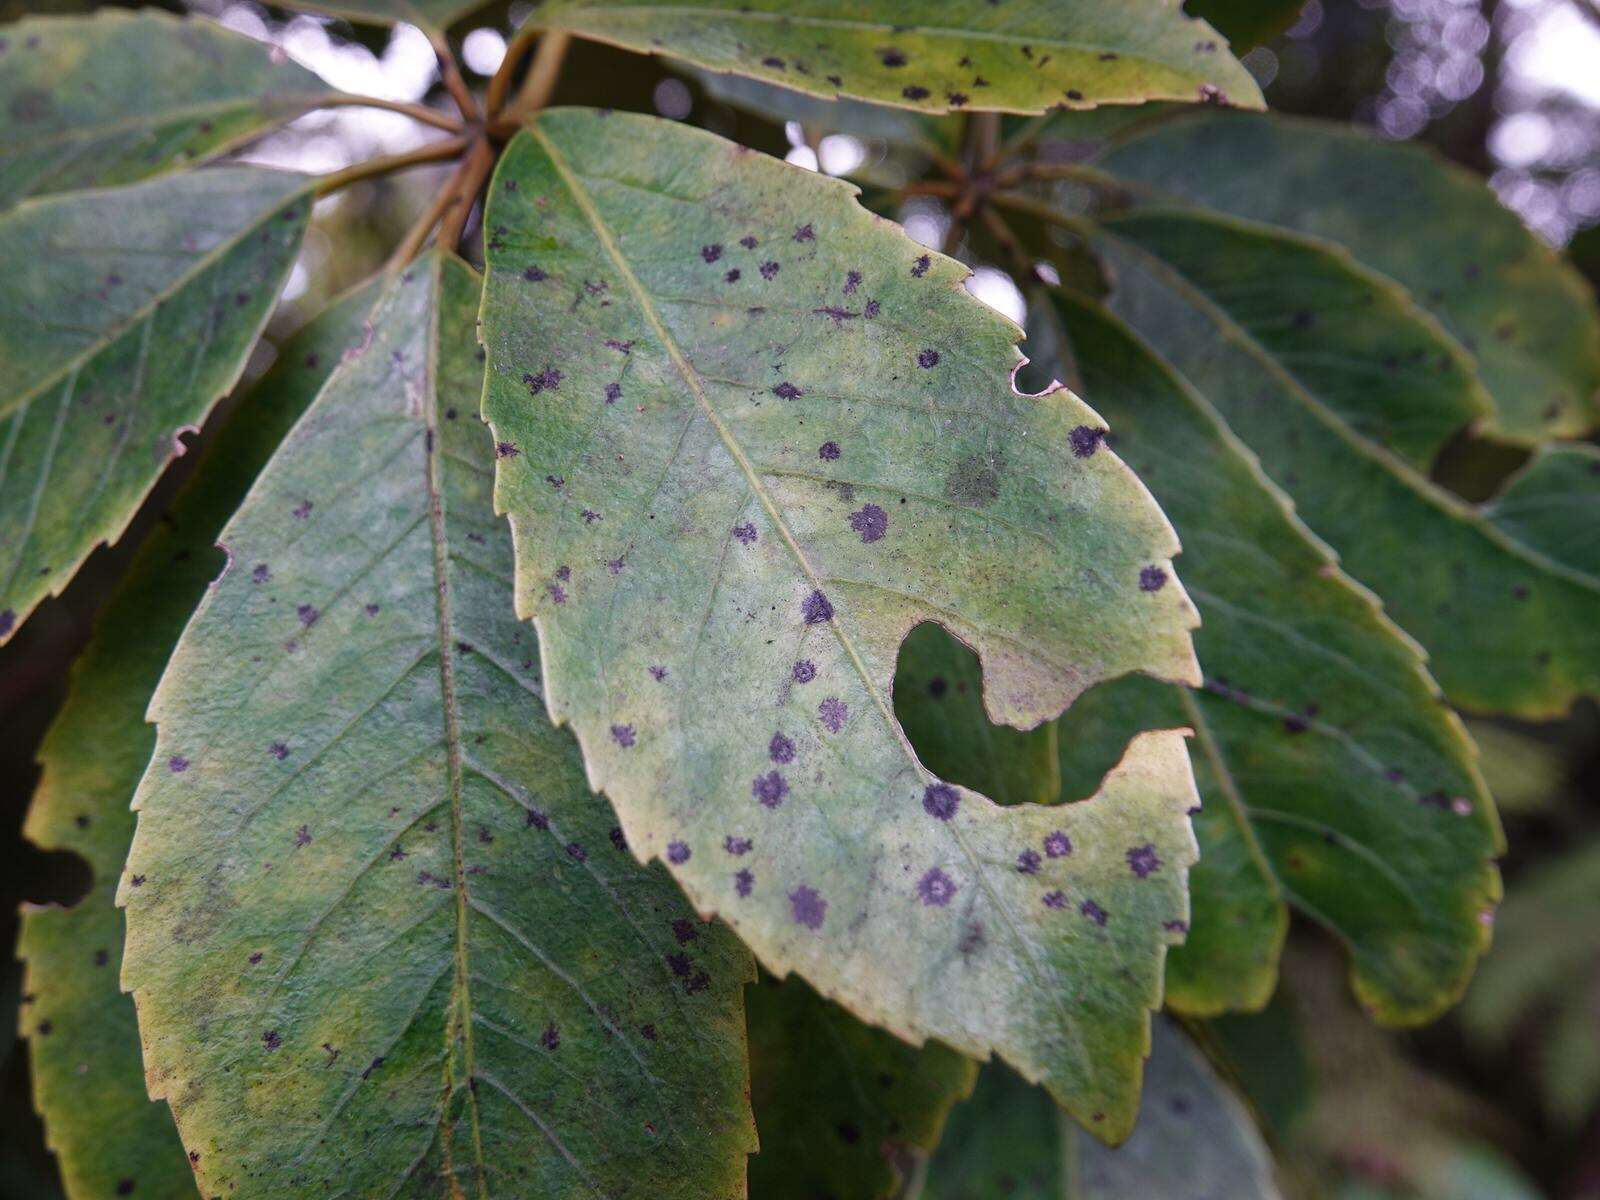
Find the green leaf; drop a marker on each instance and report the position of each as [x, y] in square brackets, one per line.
[1194, 1138]
[844, 1110]
[430, 15]
[1552, 506]
[934, 55]
[749, 436]
[88, 1076]
[1332, 775]
[1247, 23]
[938, 698]
[379, 933]
[1346, 391]
[1398, 207]
[129, 312]
[118, 96]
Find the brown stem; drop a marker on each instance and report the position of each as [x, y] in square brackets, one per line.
[418, 112]
[441, 204]
[522, 41]
[464, 189]
[540, 84]
[450, 73]
[437, 151]
[930, 187]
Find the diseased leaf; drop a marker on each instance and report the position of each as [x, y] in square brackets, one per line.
[1398, 207]
[119, 96]
[844, 1110]
[88, 1078]
[1552, 507]
[938, 698]
[381, 938]
[1346, 391]
[934, 55]
[1194, 1139]
[749, 436]
[128, 313]
[1332, 775]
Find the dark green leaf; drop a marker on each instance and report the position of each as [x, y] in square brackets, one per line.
[1399, 208]
[844, 1110]
[1332, 775]
[1247, 23]
[126, 314]
[432, 15]
[749, 437]
[87, 1074]
[934, 55]
[121, 96]
[1552, 506]
[1194, 1139]
[1346, 392]
[380, 934]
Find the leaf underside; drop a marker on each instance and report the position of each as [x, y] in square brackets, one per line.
[381, 937]
[749, 436]
[1194, 1138]
[844, 1110]
[1332, 776]
[1346, 392]
[1521, 310]
[934, 55]
[115, 345]
[118, 97]
[87, 1072]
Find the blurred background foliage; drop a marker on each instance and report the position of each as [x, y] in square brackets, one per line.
[1498, 1101]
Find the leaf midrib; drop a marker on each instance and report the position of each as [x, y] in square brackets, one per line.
[691, 379]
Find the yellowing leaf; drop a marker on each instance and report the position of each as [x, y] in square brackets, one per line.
[749, 436]
[381, 937]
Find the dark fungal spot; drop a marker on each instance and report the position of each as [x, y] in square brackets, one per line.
[712, 252]
[279, 751]
[677, 853]
[301, 511]
[787, 391]
[1143, 860]
[828, 451]
[177, 764]
[936, 889]
[733, 276]
[125, 1186]
[807, 907]
[852, 280]
[271, 1040]
[890, 57]
[101, 958]
[550, 1039]
[648, 1032]
[774, 62]
[1057, 844]
[928, 359]
[770, 789]
[848, 1132]
[871, 309]
[743, 881]
[371, 610]
[804, 671]
[613, 392]
[534, 275]
[1085, 440]
[623, 735]
[577, 852]
[1151, 579]
[920, 267]
[744, 534]
[816, 609]
[940, 800]
[974, 481]
[658, 673]
[1028, 862]
[769, 270]
[307, 614]
[1093, 911]
[748, 242]
[914, 92]
[302, 836]
[805, 234]
[833, 713]
[537, 820]
[1055, 900]
[871, 522]
[1074, 94]
[8, 622]
[780, 749]
[506, 450]
[956, 99]
[546, 380]
[618, 839]
[737, 846]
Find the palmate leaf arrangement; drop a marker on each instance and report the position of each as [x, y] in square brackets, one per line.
[472, 726]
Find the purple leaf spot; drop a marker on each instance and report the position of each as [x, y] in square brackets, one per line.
[936, 888]
[807, 907]
[940, 800]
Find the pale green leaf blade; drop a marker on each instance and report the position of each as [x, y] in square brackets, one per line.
[749, 436]
[88, 1077]
[1194, 1139]
[381, 937]
[1524, 313]
[934, 55]
[844, 1110]
[1326, 759]
[1345, 390]
[938, 698]
[129, 313]
[1552, 506]
[120, 96]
